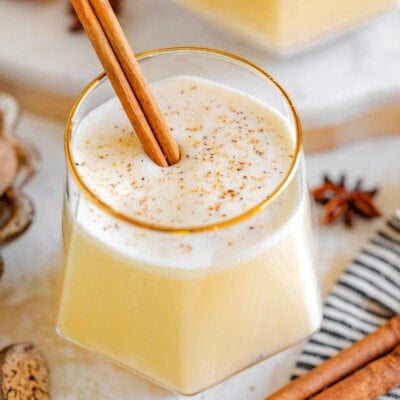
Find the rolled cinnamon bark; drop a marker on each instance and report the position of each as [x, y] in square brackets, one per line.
[349, 360]
[368, 383]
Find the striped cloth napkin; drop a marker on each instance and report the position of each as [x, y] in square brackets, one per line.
[366, 296]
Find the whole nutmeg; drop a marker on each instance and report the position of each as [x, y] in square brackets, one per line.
[24, 373]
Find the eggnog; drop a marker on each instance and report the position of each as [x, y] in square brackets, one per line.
[190, 309]
[287, 25]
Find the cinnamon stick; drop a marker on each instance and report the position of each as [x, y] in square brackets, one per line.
[368, 383]
[356, 356]
[125, 92]
[136, 79]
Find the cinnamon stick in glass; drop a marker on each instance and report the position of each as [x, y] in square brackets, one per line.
[136, 79]
[128, 82]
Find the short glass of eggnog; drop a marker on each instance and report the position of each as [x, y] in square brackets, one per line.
[190, 273]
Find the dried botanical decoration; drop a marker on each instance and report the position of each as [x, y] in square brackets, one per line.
[19, 214]
[18, 163]
[341, 202]
[76, 26]
[8, 164]
[24, 373]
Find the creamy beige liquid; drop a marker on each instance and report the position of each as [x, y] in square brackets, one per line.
[188, 311]
[285, 24]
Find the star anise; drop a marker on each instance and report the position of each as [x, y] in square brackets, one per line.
[76, 25]
[341, 202]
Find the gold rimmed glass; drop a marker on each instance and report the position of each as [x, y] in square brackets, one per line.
[261, 85]
[188, 306]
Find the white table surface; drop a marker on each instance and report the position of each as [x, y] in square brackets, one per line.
[28, 293]
[352, 74]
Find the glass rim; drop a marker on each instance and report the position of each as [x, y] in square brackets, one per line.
[189, 229]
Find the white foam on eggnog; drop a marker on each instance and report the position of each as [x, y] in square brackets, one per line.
[235, 151]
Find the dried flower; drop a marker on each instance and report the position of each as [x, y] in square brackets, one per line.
[18, 163]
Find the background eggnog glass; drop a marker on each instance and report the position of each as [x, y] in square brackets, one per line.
[191, 273]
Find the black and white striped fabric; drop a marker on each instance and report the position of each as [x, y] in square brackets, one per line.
[366, 295]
